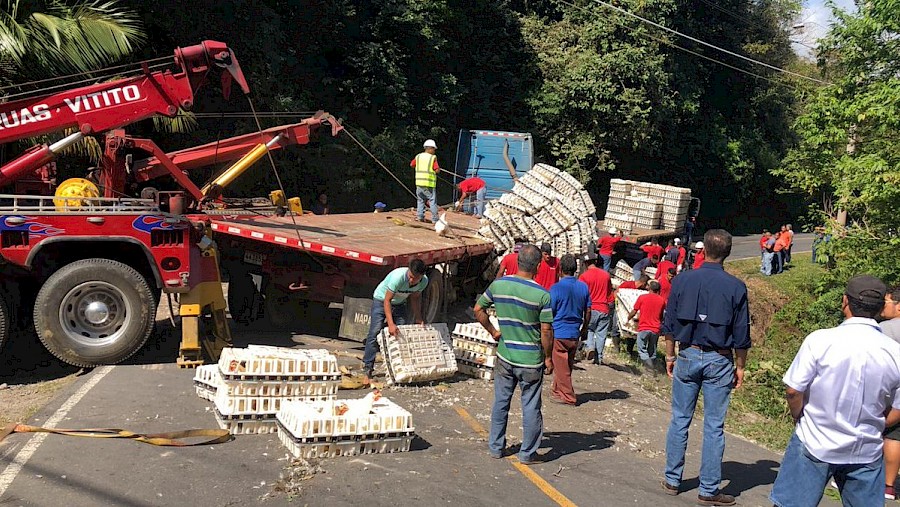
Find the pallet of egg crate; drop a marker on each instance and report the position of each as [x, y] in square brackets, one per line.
[418, 353]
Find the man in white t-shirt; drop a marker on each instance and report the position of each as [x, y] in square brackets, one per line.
[838, 390]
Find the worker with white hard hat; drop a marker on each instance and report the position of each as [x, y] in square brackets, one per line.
[426, 166]
[700, 256]
[607, 247]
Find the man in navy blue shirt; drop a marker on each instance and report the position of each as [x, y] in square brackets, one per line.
[707, 314]
[647, 262]
[570, 299]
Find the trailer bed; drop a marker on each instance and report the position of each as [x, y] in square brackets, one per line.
[383, 239]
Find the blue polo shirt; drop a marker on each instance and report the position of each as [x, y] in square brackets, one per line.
[708, 307]
[569, 299]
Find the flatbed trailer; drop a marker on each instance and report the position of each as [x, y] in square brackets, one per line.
[278, 263]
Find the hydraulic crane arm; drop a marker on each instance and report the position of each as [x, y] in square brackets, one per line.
[104, 106]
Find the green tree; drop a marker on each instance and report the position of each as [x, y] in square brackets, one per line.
[848, 157]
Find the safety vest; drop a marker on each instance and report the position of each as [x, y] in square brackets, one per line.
[425, 175]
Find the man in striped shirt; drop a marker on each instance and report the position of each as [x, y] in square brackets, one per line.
[525, 344]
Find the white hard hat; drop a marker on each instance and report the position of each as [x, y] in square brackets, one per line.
[677, 241]
[613, 230]
[699, 245]
[430, 144]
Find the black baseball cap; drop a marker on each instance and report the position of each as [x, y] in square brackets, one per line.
[866, 289]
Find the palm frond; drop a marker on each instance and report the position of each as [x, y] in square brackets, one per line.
[97, 33]
[183, 123]
[14, 40]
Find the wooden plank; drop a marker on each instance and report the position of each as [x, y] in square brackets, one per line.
[389, 238]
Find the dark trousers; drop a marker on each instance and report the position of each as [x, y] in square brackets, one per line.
[778, 262]
[377, 321]
[563, 362]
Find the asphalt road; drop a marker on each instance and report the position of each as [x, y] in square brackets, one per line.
[608, 451]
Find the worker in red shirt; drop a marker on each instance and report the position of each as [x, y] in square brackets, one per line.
[548, 269]
[762, 241]
[600, 288]
[509, 265]
[653, 249]
[665, 283]
[651, 307]
[700, 256]
[663, 268]
[607, 246]
[682, 255]
[473, 186]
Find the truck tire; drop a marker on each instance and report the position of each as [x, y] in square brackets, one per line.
[93, 312]
[4, 320]
[433, 297]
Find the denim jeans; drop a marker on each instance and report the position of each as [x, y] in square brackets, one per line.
[477, 208]
[802, 480]
[777, 262]
[646, 344]
[377, 322]
[713, 374]
[637, 273]
[597, 330]
[607, 262]
[766, 266]
[506, 377]
[787, 255]
[423, 194]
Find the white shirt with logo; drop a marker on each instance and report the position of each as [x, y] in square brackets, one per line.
[848, 375]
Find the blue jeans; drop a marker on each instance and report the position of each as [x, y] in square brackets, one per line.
[607, 261]
[637, 273]
[478, 208]
[597, 330]
[646, 344]
[712, 373]
[777, 262]
[802, 479]
[506, 376]
[766, 266]
[377, 322]
[426, 194]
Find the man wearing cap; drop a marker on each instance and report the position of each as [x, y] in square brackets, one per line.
[843, 387]
[607, 246]
[426, 166]
[708, 315]
[548, 271]
[379, 207]
[469, 187]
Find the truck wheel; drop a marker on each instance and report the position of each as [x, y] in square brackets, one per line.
[4, 320]
[433, 297]
[93, 312]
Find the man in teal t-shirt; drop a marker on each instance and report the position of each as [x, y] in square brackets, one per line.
[525, 342]
[389, 305]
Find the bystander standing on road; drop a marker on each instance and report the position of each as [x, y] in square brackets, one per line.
[599, 285]
[891, 327]
[768, 256]
[708, 315]
[789, 229]
[548, 270]
[570, 300]
[389, 306]
[778, 253]
[650, 306]
[524, 351]
[839, 389]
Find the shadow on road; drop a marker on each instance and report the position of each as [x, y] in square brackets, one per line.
[24, 360]
[741, 476]
[564, 443]
[617, 394]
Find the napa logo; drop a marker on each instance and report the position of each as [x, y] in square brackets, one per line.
[149, 223]
[30, 225]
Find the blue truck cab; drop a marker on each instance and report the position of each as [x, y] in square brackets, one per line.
[488, 154]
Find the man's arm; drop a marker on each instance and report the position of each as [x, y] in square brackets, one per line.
[388, 312]
[795, 403]
[740, 360]
[484, 319]
[415, 301]
[435, 167]
[462, 199]
[670, 355]
[585, 323]
[547, 343]
[893, 418]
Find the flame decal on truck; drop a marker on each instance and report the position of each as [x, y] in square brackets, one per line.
[148, 223]
[31, 226]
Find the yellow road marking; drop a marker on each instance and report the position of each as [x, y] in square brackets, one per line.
[529, 474]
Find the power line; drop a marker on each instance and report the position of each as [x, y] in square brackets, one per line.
[698, 41]
[676, 46]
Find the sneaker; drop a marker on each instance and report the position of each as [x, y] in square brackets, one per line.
[889, 493]
[670, 489]
[720, 499]
[534, 460]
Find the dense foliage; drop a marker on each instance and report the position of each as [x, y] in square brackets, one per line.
[849, 156]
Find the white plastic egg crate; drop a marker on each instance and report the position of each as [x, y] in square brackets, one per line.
[417, 353]
[276, 363]
[625, 299]
[207, 381]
